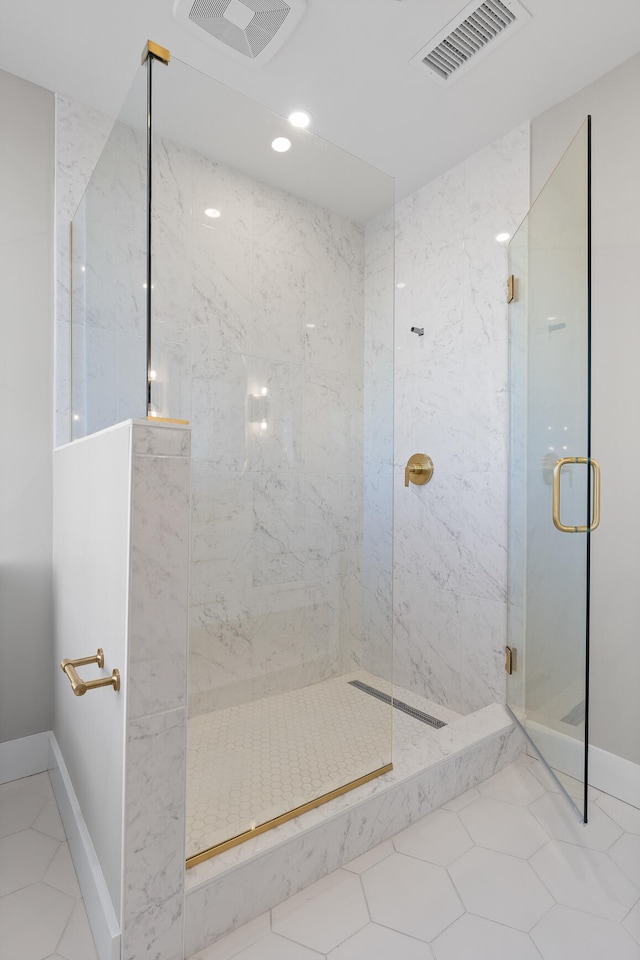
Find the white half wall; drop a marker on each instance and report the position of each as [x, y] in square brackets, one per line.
[91, 537]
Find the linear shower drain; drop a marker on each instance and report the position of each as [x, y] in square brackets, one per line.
[398, 704]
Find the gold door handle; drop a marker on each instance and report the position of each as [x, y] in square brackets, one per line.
[595, 497]
[80, 686]
[419, 469]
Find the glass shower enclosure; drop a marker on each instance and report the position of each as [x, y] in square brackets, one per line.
[220, 282]
[554, 482]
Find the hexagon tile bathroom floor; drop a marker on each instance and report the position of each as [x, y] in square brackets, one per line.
[503, 872]
[42, 913]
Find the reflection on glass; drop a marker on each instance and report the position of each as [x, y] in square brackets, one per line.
[272, 335]
[108, 270]
[549, 349]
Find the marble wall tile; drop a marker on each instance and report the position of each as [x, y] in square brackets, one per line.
[131, 376]
[278, 327]
[451, 401]
[280, 445]
[161, 440]
[485, 314]
[449, 646]
[433, 300]
[218, 403]
[76, 157]
[100, 377]
[217, 186]
[430, 405]
[327, 416]
[497, 186]
[486, 407]
[158, 584]
[109, 243]
[153, 896]
[222, 277]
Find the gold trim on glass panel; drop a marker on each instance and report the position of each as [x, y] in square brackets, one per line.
[156, 51]
[595, 497]
[167, 420]
[296, 812]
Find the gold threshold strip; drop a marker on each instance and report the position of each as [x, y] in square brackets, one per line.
[270, 824]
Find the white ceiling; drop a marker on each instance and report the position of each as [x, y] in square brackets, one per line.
[347, 63]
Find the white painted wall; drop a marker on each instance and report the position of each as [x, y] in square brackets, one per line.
[91, 570]
[26, 287]
[615, 666]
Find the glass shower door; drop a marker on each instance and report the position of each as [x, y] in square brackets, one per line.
[554, 483]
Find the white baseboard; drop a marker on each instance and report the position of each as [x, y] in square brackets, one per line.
[613, 775]
[102, 917]
[24, 757]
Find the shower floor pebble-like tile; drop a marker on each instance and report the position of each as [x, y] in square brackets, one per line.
[254, 762]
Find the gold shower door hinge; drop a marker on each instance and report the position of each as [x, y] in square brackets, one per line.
[510, 660]
[511, 289]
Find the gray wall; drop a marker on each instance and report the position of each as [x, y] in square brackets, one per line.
[613, 103]
[26, 390]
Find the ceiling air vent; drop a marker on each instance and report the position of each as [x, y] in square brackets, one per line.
[472, 35]
[248, 30]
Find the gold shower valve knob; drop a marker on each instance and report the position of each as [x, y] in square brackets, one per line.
[419, 469]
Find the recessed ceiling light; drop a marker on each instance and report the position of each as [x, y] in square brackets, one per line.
[281, 144]
[401, 286]
[212, 212]
[300, 118]
[311, 326]
[502, 237]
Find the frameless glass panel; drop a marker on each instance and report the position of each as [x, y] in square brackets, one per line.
[262, 337]
[108, 295]
[548, 567]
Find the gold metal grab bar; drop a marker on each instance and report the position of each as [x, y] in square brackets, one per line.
[595, 497]
[80, 686]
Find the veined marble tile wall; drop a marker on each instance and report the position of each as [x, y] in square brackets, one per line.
[81, 133]
[451, 402]
[101, 186]
[267, 297]
[377, 554]
[259, 318]
[156, 728]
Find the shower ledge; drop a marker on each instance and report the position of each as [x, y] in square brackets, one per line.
[238, 885]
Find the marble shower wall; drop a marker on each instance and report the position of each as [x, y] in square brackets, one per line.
[267, 297]
[81, 133]
[101, 185]
[259, 342]
[451, 402]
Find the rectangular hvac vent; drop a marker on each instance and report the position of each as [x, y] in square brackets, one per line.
[473, 34]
